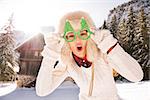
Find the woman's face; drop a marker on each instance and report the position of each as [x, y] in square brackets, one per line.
[78, 46]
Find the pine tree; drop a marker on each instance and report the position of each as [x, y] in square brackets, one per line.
[141, 47]
[104, 26]
[148, 37]
[134, 30]
[8, 56]
[113, 26]
[121, 32]
[143, 27]
[130, 30]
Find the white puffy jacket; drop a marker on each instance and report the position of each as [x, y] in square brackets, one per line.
[50, 77]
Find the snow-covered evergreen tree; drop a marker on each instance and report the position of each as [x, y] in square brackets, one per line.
[130, 30]
[133, 29]
[148, 32]
[104, 26]
[8, 56]
[121, 32]
[141, 48]
[113, 27]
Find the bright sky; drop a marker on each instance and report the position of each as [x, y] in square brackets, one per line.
[31, 15]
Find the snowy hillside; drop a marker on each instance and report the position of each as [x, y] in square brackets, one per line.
[130, 24]
[121, 11]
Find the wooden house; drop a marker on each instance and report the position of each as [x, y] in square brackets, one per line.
[30, 55]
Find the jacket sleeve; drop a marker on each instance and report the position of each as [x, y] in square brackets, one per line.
[124, 64]
[120, 60]
[52, 71]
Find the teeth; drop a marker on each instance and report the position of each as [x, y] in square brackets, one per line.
[79, 46]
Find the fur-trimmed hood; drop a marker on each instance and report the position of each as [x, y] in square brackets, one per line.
[76, 15]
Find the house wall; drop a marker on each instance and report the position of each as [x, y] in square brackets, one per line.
[30, 55]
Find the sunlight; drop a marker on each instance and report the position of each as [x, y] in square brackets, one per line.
[31, 15]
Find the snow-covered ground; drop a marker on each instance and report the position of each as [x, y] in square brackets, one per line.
[69, 91]
[6, 88]
[134, 91]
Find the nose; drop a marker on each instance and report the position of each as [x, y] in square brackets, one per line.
[78, 39]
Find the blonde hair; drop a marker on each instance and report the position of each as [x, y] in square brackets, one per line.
[91, 48]
[92, 55]
[91, 51]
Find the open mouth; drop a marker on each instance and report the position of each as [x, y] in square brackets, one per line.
[79, 48]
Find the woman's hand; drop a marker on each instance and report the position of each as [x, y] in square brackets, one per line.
[104, 40]
[53, 46]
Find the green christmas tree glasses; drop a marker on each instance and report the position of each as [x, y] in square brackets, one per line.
[84, 32]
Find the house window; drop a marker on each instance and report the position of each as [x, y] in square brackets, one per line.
[36, 53]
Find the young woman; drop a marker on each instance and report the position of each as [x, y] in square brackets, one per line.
[88, 56]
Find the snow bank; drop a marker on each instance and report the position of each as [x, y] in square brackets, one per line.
[6, 88]
[69, 91]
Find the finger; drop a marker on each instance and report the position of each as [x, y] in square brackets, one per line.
[98, 36]
[93, 29]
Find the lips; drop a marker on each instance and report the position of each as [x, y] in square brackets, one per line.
[79, 48]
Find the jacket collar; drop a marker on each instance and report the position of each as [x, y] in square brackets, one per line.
[82, 61]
